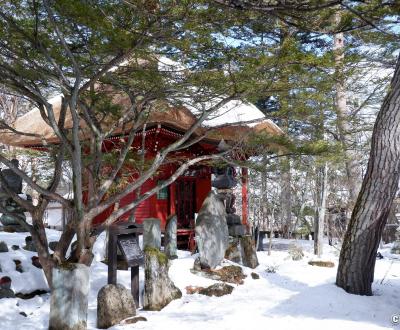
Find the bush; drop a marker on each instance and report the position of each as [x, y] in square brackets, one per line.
[296, 252]
[271, 269]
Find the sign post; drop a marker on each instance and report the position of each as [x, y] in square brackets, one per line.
[125, 238]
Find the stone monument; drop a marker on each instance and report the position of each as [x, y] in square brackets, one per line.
[211, 232]
[241, 246]
[152, 233]
[170, 239]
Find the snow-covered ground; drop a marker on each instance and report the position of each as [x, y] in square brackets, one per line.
[296, 296]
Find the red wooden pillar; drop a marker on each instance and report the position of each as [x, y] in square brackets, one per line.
[244, 195]
[172, 198]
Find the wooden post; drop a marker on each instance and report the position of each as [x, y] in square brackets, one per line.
[244, 196]
[172, 198]
[112, 258]
[135, 284]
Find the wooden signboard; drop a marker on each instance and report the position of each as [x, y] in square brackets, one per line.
[129, 246]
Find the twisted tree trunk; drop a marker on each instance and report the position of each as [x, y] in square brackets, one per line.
[357, 258]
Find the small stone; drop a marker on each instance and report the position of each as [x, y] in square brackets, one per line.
[321, 263]
[217, 290]
[197, 265]
[134, 320]
[29, 245]
[15, 247]
[3, 247]
[36, 262]
[23, 314]
[193, 289]
[5, 288]
[6, 293]
[255, 276]
[114, 304]
[230, 274]
[5, 282]
[18, 266]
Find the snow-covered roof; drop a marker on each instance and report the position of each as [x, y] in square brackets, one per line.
[233, 113]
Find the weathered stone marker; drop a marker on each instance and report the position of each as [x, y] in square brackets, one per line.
[159, 290]
[114, 304]
[69, 298]
[171, 228]
[152, 233]
[211, 231]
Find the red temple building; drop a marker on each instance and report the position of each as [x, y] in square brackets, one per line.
[185, 196]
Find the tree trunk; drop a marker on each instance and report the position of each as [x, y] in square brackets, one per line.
[352, 173]
[320, 221]
[361, 241]
[286, 196]
[39, 238]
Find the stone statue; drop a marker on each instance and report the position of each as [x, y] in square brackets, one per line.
[14, 181]
[224, 178]
[225, 181]
[14, 213]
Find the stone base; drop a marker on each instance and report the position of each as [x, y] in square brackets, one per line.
[237, 230]
[242, 251]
